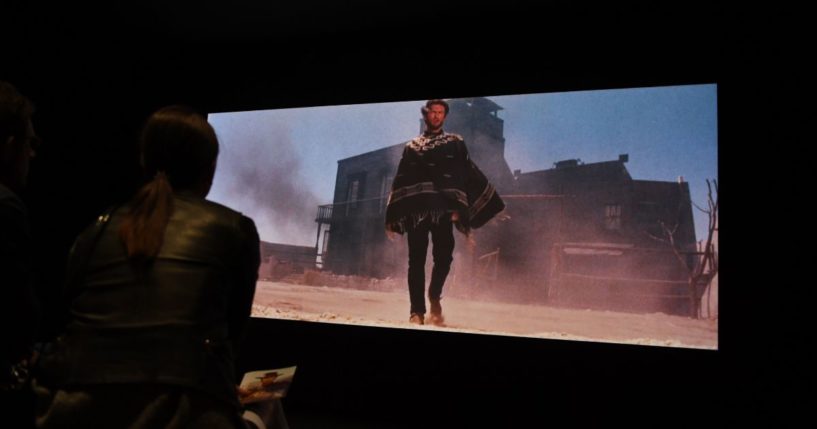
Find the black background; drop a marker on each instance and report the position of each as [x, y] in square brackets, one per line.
[96, 72]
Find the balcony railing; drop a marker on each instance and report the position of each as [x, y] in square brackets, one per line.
[367, 207]
[324, 213]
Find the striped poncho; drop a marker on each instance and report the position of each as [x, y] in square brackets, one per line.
[435, 178]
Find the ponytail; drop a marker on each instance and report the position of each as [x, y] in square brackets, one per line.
[143, 227]
[179, 148]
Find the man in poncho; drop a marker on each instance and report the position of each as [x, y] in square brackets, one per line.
[436, 187]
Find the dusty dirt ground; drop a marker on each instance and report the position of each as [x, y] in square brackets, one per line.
[391, 309]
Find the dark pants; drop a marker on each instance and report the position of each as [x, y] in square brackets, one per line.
[442, 237]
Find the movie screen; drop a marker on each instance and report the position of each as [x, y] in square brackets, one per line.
[584, 215]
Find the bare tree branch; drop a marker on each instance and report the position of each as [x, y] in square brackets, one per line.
[701, 208]
[702, 273]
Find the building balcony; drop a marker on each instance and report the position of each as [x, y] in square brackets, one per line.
[364, 208]
[324, 213]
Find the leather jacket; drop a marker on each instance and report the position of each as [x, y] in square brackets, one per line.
[179, 321]
[19, 311]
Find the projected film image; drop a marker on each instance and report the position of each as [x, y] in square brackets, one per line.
[584, 216]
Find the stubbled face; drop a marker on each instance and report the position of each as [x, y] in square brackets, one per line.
[16, 157]
[30, 147]
[435, 117]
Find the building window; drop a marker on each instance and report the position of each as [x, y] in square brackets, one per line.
[612, 216]
[351, 195]
[385, 189]
[355, 191]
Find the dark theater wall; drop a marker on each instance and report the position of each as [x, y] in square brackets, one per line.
[96, 72]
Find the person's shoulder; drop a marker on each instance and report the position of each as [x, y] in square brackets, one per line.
[453, 137]
[415, 145]
[205, 208]
[419, 140]
[229, 212]
[218, 207]
[214, 213]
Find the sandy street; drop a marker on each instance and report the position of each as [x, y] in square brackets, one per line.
[391, 309]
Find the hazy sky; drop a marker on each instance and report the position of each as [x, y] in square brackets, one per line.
[277, 166]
